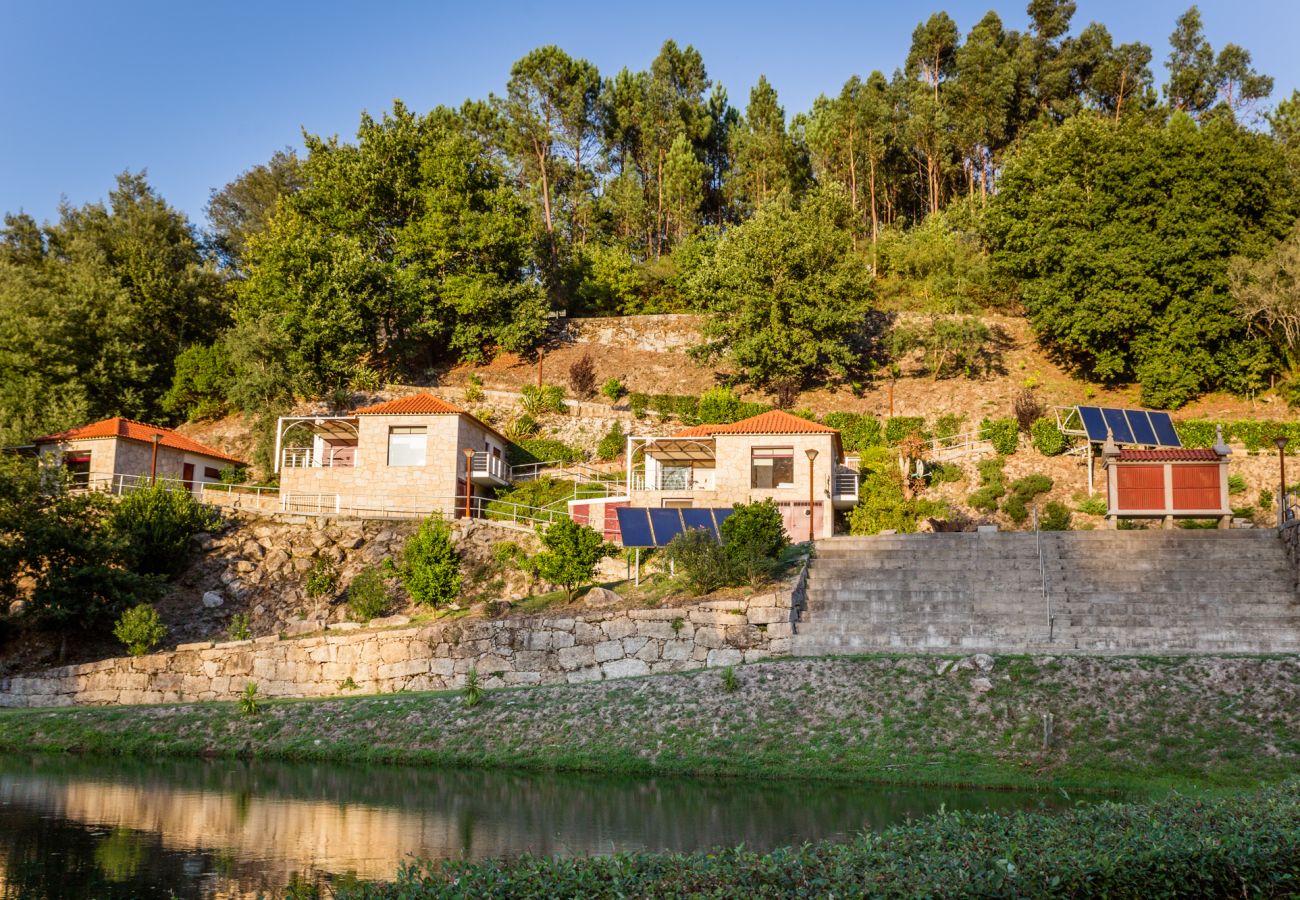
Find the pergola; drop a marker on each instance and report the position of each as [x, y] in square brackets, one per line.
[337, 427]
[680, 450]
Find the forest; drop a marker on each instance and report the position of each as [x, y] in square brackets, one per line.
[1148, 232]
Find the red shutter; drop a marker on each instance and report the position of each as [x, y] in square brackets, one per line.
[1197, 487]
[1140, 487]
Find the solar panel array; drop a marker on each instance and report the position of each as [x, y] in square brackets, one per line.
[1129, 426]
[641, 527]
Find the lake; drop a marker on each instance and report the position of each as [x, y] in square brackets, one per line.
[109, 828]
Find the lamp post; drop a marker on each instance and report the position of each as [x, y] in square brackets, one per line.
[1280, 443]
[153, 463]
[469, 484]
[812, 458]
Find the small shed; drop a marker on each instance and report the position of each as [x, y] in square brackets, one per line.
[1188, 483]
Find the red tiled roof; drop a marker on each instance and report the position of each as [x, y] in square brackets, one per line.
[422, 404]
[1181, 454]
[118, 427]
[771, 422]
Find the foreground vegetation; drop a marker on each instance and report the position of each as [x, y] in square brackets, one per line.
[1116, 723]
[1247, 845]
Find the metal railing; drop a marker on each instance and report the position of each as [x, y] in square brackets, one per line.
[844, 484]
[485, 464]
[505, 513]
[955, 446]
[119, 484]
[673, 482]
[308, 458]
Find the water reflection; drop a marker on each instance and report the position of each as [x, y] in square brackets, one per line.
[118, 828]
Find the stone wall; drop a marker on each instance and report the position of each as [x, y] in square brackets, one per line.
[386, 657]
[1290, 534]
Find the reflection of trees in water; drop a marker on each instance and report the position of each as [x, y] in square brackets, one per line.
[120, 855]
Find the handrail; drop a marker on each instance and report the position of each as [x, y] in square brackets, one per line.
[307, 458]
[1042, 574]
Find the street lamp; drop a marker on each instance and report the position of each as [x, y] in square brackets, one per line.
[153, 464]
[1280, 443]
[469, 484]
[812, 458]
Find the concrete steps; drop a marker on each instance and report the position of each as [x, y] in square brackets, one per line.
[1103, 591]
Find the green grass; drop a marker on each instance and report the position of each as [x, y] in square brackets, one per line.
[1118, 723]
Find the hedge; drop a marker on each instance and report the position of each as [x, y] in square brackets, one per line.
[1254, 434]
[899, 428]
[1243, 845]
[1003, 434]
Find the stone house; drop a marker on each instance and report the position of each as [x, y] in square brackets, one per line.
[412, 455]
[117, 454]
[798, 464]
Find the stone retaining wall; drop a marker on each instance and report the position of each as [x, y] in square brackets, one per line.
[379, 659]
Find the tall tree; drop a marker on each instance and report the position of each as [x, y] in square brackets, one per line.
[1199, 80]
[983, 92]
[931, 62]
[766, 160]
[243, 207]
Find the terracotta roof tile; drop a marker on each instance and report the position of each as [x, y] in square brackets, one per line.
[771, 422]
[422, 404]
[1182, 454]
[131, 430]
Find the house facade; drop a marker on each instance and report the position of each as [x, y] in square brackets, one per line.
[798, 464]
[413, 455]
[118, 454]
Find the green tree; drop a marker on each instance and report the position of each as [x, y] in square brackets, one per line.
[766, 160]
[1199, 80]
[785, 294]
[139, 629]
[1267, 292]
[571, 552]
[244, 207]
[430, 565]
[156, 524]
[931, 63]
[200, 384]
[1120, 237]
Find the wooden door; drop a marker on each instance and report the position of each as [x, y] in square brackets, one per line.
[187, 476]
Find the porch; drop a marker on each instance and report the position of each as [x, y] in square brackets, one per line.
[316, 442]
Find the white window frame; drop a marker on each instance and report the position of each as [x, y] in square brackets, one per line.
[407, 444]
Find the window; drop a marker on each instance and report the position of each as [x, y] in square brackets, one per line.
[771, 467]
[406, 445]
[209, 472]
[675, 478]
[678, 503]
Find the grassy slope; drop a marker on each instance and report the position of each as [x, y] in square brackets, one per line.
[1118, 723]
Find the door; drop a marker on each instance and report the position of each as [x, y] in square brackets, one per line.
[1139, 487]
[795, 517]
[187, 476]
[1197, 487]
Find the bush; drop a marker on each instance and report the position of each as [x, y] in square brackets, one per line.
[473, 389]
[1195, 433]
[701, 560]
[1056, 517]
[582, 377]
[990, 472]
[248, 702]
[1003, 434]
[882, 505]
[683, 407]
[900, 428]
[943, 473]
[139, 629]
[1031, 486]
[1093, 506]
[538, 401]
[473, 691]
[240, 627]
[570, 555]
[948, 425]
[430, 565]
[857, 432]
[522, 428]
[1015, 509]
[1236, 484]
[544, 450]
[1265, 498]
[1027, 409]
[985, 499]
[730, 683]
[753, 537]
[638, 404]
[1046, 437]
[323, 579]
[367, 595]
[613, 390]
[611, 446]
[157, 524]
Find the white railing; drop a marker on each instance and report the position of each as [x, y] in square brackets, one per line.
[308, 458]
[844, 484]
[673, 482]
[500, 512]
[487, 465]
[957, 445]
[117, 485]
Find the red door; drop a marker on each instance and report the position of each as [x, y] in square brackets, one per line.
[187, 476]
[1196, 487]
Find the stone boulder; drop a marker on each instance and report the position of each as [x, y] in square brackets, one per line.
[212, 599]
[601, 598]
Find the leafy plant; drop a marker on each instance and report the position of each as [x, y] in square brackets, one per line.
[582, 377]
[1015, 509]
[696, 554]
[611, 446]
[1056, 517]
[949, 345]
[1093, 506]
[857, 432]
[638, 403]
[533, 450]
[948, 425]
[472, 693]
[157, 523]
[473, 388]
[139, 629]
[430, 565]
[1265, 498]
[942, 473]
[613, 390]
[522, 428]
[249, 703]
[1003, 434]
[677, 625]
[367, 595]
[240, 627]
[753, 538]
[729, 681]
[1031, 486]
[883, 504]
[538, 401]
[198, 389]
[1047, 438]
[900, 428]
[570, 555]
[1236, 484]
[322, 578]
[347, 684]
[985, 499]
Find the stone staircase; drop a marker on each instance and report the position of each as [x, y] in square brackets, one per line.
[1086, 591]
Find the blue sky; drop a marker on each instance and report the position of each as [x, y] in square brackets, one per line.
[196, 93]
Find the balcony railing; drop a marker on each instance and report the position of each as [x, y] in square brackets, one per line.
[485, 465]
[308, 458]
[673, 481]
[844, 484]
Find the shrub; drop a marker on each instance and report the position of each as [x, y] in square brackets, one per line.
[990, 472]
[613, 390]
[322, 579]
[948, 425]
[538, 401]
[430, 566]
[719, 406]
[367, 595]
[1056, 517]
[1015, 509]
[570, 555]
[1003, 434]
[701, 560]
[899, 428]
[753, 537]
[1027, 409]
[1195, 433]
[522, 428]
[857, 432]
[582, 377]
[943, 473]
[544, 450]
[248, 703]
[1093, 506]
[729, 681]
[139, 629]
[473, 389]
[234, 475]
[1236, 484]
[950, 346]
[1031, 486]
[638, 403]
[683, 407]
[157, 524]
[985, 499]
[882, 505]
[240, 627]
[1265, 498]
[472, 693]
[611, 446]
[1046, 437]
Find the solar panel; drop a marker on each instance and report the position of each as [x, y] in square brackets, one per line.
[700, 518]
[634, 526]
[1093, 423]
[1118, 424]
[1164, 428]
[666, 524]
[1140, 421]
[720, 514]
